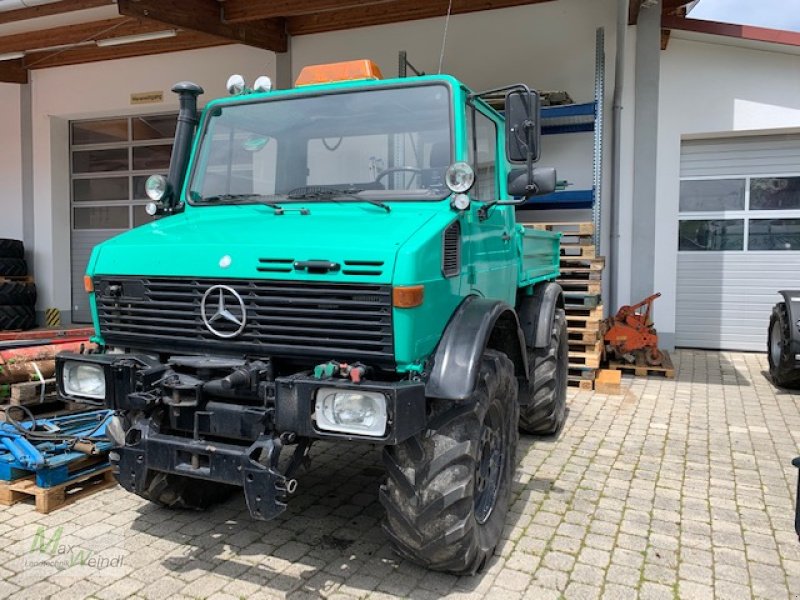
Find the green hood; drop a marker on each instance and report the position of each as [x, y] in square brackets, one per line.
[363, 239]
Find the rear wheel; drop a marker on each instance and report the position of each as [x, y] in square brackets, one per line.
[547, 408]
[783, 369]
[448, 488]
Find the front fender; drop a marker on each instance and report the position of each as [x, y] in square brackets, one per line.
[476, 324]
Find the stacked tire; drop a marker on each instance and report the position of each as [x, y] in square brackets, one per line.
[17, 293]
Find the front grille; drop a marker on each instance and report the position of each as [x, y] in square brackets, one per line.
[284, 318]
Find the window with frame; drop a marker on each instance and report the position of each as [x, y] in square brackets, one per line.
[110, 159]
[747, 214]
[482, 136]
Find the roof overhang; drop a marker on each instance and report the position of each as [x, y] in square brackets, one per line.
[69, 32]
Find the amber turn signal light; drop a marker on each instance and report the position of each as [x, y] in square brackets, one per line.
[88, 284]
[408, 296]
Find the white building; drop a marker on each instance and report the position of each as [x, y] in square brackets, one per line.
[706, 209]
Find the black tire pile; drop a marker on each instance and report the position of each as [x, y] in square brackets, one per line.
[17, 296]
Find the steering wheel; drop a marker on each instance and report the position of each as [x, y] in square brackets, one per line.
[417, 173]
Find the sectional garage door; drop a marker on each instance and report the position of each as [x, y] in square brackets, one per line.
[739, 238]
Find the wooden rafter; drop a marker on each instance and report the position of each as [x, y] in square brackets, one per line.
[392, 12]
[12, 71]
[76, 34]
[205, 16]
[238, 11]
[87, 54]
[46, 10]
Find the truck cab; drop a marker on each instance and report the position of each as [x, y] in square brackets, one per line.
[339, 261]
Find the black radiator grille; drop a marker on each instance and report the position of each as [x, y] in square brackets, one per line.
[284, 318]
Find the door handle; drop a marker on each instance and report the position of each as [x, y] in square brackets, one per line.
[506, 237]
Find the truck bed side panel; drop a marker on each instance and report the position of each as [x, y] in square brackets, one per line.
[540, 255]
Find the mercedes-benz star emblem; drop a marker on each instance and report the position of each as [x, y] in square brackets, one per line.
[223, 311]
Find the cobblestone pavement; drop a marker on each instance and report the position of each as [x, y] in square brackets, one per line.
[677, 489]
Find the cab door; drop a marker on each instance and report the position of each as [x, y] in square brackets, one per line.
[494, 272]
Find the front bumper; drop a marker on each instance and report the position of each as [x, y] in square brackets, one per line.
[189, 425]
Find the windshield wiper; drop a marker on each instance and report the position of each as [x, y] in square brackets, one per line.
[243, 198]
[311, 193]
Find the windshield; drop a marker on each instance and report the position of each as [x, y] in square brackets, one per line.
[372, 145]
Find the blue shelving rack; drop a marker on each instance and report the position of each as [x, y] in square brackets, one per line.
[580, 118]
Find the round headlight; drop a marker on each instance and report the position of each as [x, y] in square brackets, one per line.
[235, 85]
[262, 84]
[156, 187]
[151, 208]
[460, 177]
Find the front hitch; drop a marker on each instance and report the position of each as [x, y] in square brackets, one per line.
[796, 463]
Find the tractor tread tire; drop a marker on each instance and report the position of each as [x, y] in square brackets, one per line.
[14, 317]
[430, 492]
[19, 293]
[13, 267]
[546, 411]
[786, 373]
[11, 248]
[181, 492]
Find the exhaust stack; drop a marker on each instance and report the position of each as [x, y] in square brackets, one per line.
[184, 132]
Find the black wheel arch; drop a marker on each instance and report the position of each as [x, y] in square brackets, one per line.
[536, 312]
[478, 323]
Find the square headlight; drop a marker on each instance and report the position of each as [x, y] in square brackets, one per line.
[351, 411]
[84, 380]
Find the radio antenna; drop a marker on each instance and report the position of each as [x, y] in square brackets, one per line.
[444, 37]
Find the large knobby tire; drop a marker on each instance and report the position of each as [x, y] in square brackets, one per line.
[177, 491]
[783, 369]
[13, 317]
[447, 490]
[13, 267]
[11, 248]
[547, 407]
[20, 293]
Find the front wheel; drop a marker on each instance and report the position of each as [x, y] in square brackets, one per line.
[178, 491]
[783, 369]
[448, 488]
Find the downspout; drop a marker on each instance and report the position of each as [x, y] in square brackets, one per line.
[616, 146]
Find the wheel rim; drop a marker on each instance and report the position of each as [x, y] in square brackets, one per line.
[489, 465]
[775, 343]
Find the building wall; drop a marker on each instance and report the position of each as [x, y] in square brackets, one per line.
[709, 90]
[11, 161]
[96, 90]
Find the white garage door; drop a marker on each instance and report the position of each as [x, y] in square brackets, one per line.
[739, 238]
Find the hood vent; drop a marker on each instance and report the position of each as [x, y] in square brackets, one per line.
[275, 265]
[371, 268]
[451, 250]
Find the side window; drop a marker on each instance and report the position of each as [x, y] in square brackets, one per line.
[482, 133]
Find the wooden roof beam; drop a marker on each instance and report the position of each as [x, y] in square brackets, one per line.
[46, 10]
[87, 54]
[77, 34]
[238, 11]
[205, 16]
[13, 71]
[392, 12]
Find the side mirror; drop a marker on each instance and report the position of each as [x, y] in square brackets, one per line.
[544, 182]
[523, 126]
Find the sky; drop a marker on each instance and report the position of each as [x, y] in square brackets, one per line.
[775, 14]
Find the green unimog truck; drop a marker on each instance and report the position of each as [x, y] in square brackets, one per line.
[339, 261]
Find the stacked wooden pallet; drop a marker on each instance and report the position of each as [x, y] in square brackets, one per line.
[581, 279]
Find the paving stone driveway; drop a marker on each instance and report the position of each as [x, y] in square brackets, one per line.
[677, 489]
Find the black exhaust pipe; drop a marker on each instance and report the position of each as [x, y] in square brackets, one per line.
[182, 147]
